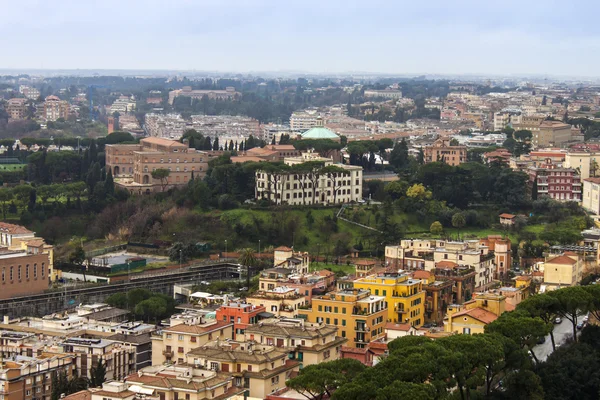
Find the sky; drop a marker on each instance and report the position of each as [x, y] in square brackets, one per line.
[504, 37]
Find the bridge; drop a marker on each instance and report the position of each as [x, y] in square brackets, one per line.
[38, 305]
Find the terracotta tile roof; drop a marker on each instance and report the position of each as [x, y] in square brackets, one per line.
[570, 253]
[81, 395]
[422, 274]
[120, 395]
[446, 264]
[353, 350]
[197, 329]
[13, 229]
[243, 159]
[36, 243]
[509, 307]
[283, 248]
[397, 327]
[562, 260]
[523, 278]
[509, 216]
[479, 314]
[364, 262]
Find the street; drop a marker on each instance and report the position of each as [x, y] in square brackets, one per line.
[562, 331]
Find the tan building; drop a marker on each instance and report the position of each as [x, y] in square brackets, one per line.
[172, 344]
[296, 187]
[179, 382]
[561, 271]
[468, 253]
[26, 378]
[55, 108]
[16, 108]
[304, 120]
[307, 343]
[442, 151]
[134, 164]
[545, 133]
[228, 94]
[260, 368]
[591, 195]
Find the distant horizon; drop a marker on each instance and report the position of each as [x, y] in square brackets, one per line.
[382, 37]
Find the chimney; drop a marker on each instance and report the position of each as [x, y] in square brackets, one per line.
[5, 320]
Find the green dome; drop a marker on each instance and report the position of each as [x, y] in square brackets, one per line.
[319, 133]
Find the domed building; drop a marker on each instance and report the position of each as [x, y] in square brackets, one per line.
[320, 132]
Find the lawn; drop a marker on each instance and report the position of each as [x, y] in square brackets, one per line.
[11, 167]
[339, 269]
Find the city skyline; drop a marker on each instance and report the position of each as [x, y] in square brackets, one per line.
[458, 38]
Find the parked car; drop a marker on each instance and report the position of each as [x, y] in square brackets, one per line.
[244, 289]
[580, 326]
[541, 340]
[558, 320]
[585, 319]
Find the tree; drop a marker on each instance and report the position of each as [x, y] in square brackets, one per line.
[98, 373]
[162, 174]
[215, 145]
[418, 192]
[399, 155]
[335, 175]
[6, 196]
[109, 184]
[94, 176]
[320, 381]
[436, 228]
[248, 258]
[458, 221]
[542, 306]
[571, 302]
[119, 137]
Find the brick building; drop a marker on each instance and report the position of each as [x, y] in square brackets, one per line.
[550, 180]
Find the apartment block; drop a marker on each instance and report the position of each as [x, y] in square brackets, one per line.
[550, 180]
[562, 270]
[386, 93]
[177, 382]
[55, 108]
[307, 343]
[123, 105]
[304, 120]
[471, 317]
[468, 253]
[586, 162]
[228, 94]
[168, 126]
[591, 195]
[545, 133]
[29, 92]
[298, 187]
[442, 151]
[29, 378]
[358, 315]
[16, 108]
[118, 357]
[502, 119]
[260, 368]
[280, 301]
[134, 164]
[172, 344]
[404, 296]
[438, 294]
[241, 315]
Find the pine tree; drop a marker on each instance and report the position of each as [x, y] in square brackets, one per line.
[231, 145]
[109, 184]
[94, 176]
[216, 144]
[93, 152]
[98, 374]
[273, 141]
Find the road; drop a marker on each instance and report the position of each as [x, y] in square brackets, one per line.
[562, 332]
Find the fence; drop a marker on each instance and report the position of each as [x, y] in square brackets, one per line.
[105, 250]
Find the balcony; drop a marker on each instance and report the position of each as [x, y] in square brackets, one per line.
[361, 328]
[168, 353]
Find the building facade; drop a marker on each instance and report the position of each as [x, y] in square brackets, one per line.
[549, 180]
[55, 108]
[16, 108]
[591, 195]
[296, 186]
[134, 164]
[228, 94]
[442, 151]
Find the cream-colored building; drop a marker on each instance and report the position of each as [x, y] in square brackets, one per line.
[307, 343]
[561, 271]
[588, 163]
[299, 187]
[281, 301]
[260, 368]
[172, 344]
[304, 120]
[470, 253]
[179, 382]
[132, 165]
[506, 118]
[471, 317]
[55, 108]
[16, 108]
[591, 195]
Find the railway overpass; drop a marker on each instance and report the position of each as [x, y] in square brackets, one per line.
[58, 300]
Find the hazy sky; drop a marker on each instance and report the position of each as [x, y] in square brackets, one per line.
[451, 36]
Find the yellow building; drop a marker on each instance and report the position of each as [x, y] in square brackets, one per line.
[405, 297]
[564, 270]
[472, 317]
[281, 301]
[358, 315]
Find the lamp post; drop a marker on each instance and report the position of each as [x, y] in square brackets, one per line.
[180, 254]
[128, 269]
[225, 246]
[259, 249]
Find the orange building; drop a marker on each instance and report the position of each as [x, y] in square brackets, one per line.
[442, 151]
[241, 315]
[502, 253]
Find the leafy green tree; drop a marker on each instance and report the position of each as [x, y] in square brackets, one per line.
[162, 174]
[94, 176]
[542, 306]
[119, 137]
[6, 196]
[436, 228]
[109, 184]
[319, 381]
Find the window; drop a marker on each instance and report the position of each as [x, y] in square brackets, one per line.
[169, 336]
[249, 368]
[214, 366]
[180, 337]
[343, 322]
[34, 272]
[180, 349]
[275, 380]
[193, 339]
[19, 273]
[27, 271]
